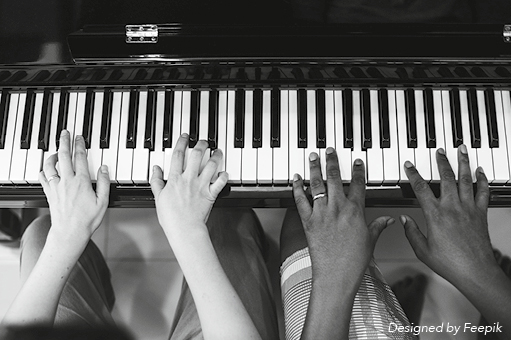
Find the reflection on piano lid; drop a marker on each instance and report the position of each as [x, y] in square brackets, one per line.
[267, 114]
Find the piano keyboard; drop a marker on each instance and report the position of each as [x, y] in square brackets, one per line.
[266, 133]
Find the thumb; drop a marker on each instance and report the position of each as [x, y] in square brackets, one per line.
[379, 224]
[157, 183]
[103, 185]
[416, 238]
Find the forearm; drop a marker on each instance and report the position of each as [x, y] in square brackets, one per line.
[37, 301]
[217, 302]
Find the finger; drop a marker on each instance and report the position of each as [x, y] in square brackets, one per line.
[316, 181]
[421, 189]
[379, 224]
[103, 185]
[219, 184]
[465, 184]
[178, 155]
[301, 201]
[157, 183]
[447, 178]
[195, 159]
[483, 191]
[357, 191]
[44, 182]
[333, 174]
[81, 165]
[211, 167]
[49, 168]
[65, 163]
[416, 238]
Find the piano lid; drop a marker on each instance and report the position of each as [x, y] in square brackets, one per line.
[176, 42]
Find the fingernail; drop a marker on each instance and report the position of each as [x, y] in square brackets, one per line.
[104, 169]
[154, 168]
[480, 169]
[441, 151]
[358, 161]
[391, 221]
[313, 156]
[296, 177]
[63, 132]
[79, 137]
[184, 135]
[463, 149]
[408, 165]
[329, 150]
[402, 219]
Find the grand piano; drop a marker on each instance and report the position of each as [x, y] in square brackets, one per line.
[267, 96]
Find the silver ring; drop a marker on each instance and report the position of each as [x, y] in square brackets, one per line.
[319, 196]
[52, 178]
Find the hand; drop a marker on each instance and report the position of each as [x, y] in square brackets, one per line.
[76, 210]
[337, 234]
[457, 242]
[187, 198]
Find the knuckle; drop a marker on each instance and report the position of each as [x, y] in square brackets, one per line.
[358, 179]
[179, 153]
[333, 173]
[466, 179]
[420, 186]
[315, 183]
[300, 200]
[197, 152]
[447, 175]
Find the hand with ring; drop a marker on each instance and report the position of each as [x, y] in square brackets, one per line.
[76, 209]
[339, 239]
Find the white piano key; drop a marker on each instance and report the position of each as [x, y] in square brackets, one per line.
[233, 161]
[329, 129]
[185, 118]
[125, 154]
[391, 164]
[311, 132]
[222, 127]
[95, 153]
[281, 154]
[484, 153]
[467, 139]
[506, 108]
[140, 168]
[79, 116]
[375, 162]
[249, 153]
[344, 154]
[176, 131]
[204, 124]
[357, 130]
[119, 101]
[296, 154]
[71, 117]
[422, 155]
[405, 153]
[450, 150]
[157, 156]
[34, 154]
[6, 152]
[439, 133]
[264, 153]
[500, 160]
[52, 143]
[19, 155]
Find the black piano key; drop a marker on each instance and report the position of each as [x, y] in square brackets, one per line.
[501, 71]
[402, 73]
[28, 120]
[429, 118]
[341, 73]
[489, 99]
[213, 119]
[411, 118]
[106, 119]
[4, 75]
[194, 118]
[365, 109]
[357, 72]
[62, 117]
[41, 75]
[462, 72]
[320, 119]
[131, 136]
[150, 122]
[275, 118]
[44, 127]
[383, 107]
[457, 132]
[4, 112]
[347, 114]
[239, 119]
[168, 114]
[302, 118]
[258, 119]
[373, 72]
[88, 116]
[473, 109]
[478, 72]
[445, 72]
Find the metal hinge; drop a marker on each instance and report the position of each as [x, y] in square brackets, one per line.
[141, 34]
[507, 33]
